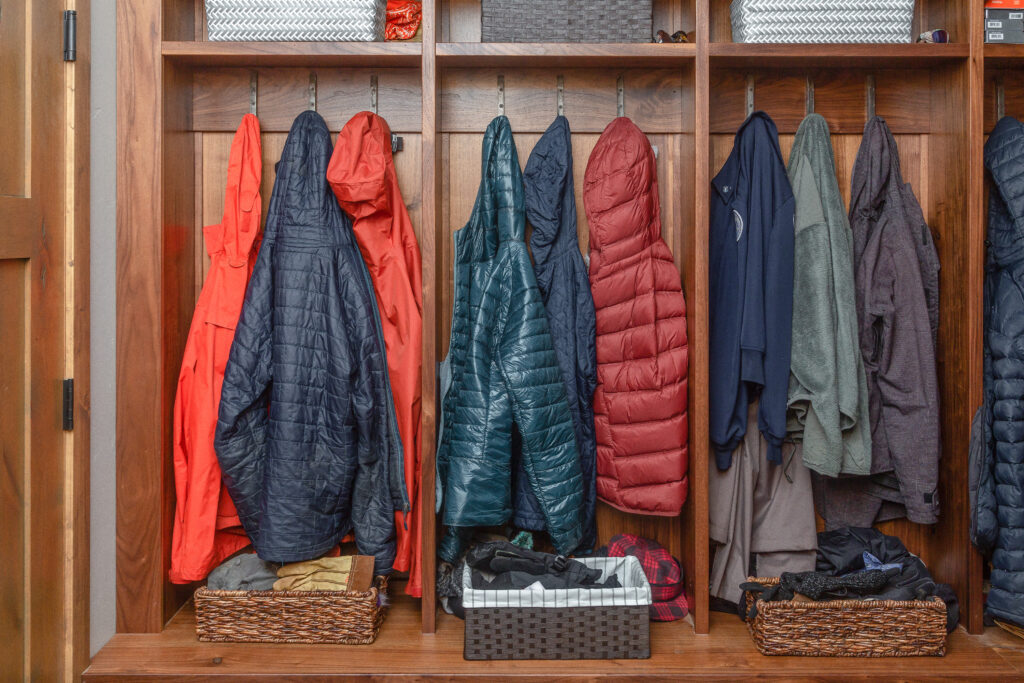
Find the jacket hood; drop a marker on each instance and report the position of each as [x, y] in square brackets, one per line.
[621, 168]
[498, 212]
[1003, 159]
[813, 145]
[362, 168]
[879, 160]
[302, 199]
[550, 202]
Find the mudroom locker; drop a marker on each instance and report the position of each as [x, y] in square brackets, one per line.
[181, 97]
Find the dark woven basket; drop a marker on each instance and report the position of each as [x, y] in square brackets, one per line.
[558, 633]
[566, 21]
[849, 628]
[338, 617]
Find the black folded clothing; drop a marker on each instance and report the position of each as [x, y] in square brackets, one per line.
[516, 568]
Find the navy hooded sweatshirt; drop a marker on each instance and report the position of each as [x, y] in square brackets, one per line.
[751, 281]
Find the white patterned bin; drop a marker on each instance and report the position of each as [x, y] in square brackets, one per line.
[296, 20]
[822, 21]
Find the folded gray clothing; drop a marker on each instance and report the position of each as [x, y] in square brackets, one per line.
[245, 572]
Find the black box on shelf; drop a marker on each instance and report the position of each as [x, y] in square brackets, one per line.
[1005, 36]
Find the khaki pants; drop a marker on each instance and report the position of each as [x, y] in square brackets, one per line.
[761, 509]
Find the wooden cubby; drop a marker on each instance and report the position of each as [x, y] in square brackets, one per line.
[180, 98]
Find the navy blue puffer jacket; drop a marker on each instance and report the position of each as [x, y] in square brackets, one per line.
[306, 435]
[565, 288]
[1000, 498]
[502, 373]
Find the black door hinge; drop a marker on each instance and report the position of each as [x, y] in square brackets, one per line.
[69, 405]
[70, 34]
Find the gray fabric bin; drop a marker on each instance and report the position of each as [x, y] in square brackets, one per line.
[565, 21]
[296, 20]
[821, 21]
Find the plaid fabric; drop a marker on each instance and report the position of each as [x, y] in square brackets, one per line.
[663, 572]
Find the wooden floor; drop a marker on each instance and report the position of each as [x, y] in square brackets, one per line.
[400, 650]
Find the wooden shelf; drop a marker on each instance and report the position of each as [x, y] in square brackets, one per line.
[216, 53]
[1002, 56]
[854, 55]
[563, 54]
[401, 651]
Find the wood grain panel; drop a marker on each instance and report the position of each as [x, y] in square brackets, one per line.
[14, 410]
[140, 408]
[469, 99]
[901, 97]
[222, 97]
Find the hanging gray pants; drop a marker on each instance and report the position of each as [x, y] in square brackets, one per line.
[762, 509]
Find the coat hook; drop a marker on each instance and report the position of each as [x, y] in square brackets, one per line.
[253, 85]
[871, 96]
[501, 95]
[809, 97]
[561, 95]
[620, 90]
[373, 93]
[1000, 98]
[750, 95]
[312, 90]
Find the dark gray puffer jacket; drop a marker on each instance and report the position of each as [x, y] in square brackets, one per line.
[999, 513]
[306, 435]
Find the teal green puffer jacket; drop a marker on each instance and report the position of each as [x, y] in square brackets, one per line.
[502, 371]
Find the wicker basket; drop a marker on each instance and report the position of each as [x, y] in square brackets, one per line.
[339, 617]
[565, 21]
[848, 628]
[296, 20]
[822, 21]
[603, 623]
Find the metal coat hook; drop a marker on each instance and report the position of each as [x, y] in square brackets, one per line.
[501, 95]
[871, 97]
[1000, 98]
[312, 90]
[561, 95]
[750, 95]
[253, 86]
[620, 90]
[373, 93]
[809, 96]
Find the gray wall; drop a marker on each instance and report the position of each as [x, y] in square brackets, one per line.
[101, 300]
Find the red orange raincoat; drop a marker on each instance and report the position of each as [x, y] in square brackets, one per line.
[362, 175]
[206, 526]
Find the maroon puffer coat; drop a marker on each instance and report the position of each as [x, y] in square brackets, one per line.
[640, 402]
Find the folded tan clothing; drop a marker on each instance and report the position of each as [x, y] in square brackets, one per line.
[354, 574]
[331, 564]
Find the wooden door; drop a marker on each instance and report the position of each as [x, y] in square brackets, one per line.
[43, 508]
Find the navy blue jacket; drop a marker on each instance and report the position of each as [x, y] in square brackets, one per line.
[306, 434]
[1000, 498]
[751, 279]
[565, 288]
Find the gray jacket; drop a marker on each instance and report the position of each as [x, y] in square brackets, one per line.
[897, 279]
[828, 393]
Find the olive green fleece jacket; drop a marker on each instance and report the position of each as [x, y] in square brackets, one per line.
[828, 393]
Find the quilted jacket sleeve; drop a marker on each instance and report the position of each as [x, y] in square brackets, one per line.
[529, 366]
[372, 495]
[241, 436]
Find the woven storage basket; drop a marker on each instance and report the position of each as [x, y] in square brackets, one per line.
[339, 617]
[296, 20]
[822, 21]
[849, 628]
[603, 623]
[565, 21]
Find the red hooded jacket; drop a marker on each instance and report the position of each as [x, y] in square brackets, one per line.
[362, 175]
[206, 526]
[640, 401]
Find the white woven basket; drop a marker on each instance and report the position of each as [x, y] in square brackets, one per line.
[296, 20]
[822, 21]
